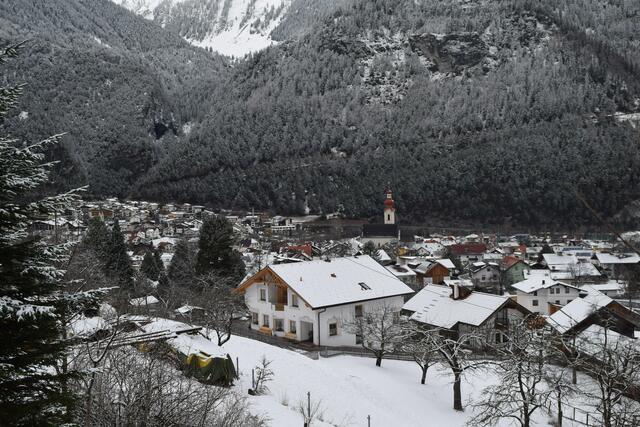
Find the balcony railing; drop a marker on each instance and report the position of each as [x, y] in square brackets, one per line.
[279, 306]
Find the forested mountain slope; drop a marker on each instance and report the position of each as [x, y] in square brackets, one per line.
[112, 81]
[486, 111]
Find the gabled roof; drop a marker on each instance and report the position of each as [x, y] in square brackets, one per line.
[535, 282]
[434, 306]
[339, 281]
[468, 248]
[446, 263]
[578, 310]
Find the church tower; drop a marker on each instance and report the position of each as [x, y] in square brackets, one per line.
[389, 208]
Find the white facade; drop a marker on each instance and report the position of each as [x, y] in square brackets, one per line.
[538, 301]
[302, 323]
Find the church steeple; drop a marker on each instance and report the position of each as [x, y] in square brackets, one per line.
[389, 208]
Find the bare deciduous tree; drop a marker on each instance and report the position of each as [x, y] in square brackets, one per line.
[379, 330]
[455, 352]
[420, 346]
[613, 362]
[310, 410]
[220, 305]
[522, 388]
[133, 388]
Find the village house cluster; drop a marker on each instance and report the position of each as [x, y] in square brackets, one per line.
[305, 287]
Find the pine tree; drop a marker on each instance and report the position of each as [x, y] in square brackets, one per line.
[158, 260]
[118, 262]
[150, 266]
[181, 270]
[97, 237]
[32, 392]
[215, 251]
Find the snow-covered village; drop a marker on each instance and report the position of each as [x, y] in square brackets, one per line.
[268, 316]
[320, 213]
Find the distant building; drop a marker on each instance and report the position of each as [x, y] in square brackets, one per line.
[459, 310]
[539, 293]
[388, 232]
[468, 252]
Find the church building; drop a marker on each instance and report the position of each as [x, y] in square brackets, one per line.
[388, 231]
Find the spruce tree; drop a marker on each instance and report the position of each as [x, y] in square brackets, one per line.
[97, 237]
[32, 391]
[215, 252]
[181, 270]
[118, 262]
[150, 267]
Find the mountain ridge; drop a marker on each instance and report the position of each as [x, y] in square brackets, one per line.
[495, 113]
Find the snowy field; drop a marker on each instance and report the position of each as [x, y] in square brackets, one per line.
[350, 388]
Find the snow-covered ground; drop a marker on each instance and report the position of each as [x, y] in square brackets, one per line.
[350, 388]
[240, 26]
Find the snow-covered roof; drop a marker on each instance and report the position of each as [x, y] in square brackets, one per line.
[400, 270]
[340, 281]
[535, 282]
[553, 259]
[627, 258]
[596, 338]
[185, 343]
[185, 309]
[447, 263]
[382, 255]
[578, 310]
[142, 301]
[434, 306]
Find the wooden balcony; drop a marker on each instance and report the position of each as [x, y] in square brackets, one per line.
[265, 330]
[279, 306]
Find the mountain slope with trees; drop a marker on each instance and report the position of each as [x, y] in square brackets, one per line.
[487, 112]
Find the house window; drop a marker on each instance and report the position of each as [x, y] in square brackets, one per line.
[388, 217]
[279, 325]
[265, 320]
[263, 294]
[534, 303]
[558, 302]
[294, 300]
[483, 278]
[358, 311]
[254, 318]
[292, 326]
[333, 329]
[569, 300]
[566, 290]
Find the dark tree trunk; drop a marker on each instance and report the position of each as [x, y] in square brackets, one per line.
[379, 359]
[424, 375]
[457, 390]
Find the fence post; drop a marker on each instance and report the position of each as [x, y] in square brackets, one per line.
[368, 420]
[587, 419]
[253, 379]
[237, 367]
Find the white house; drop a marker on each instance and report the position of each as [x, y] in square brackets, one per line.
[463, 311]
[311, 300]
[539, 289]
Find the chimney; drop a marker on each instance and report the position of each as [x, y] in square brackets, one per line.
[456, 291]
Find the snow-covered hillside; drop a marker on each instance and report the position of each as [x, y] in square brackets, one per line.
[230, 27]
